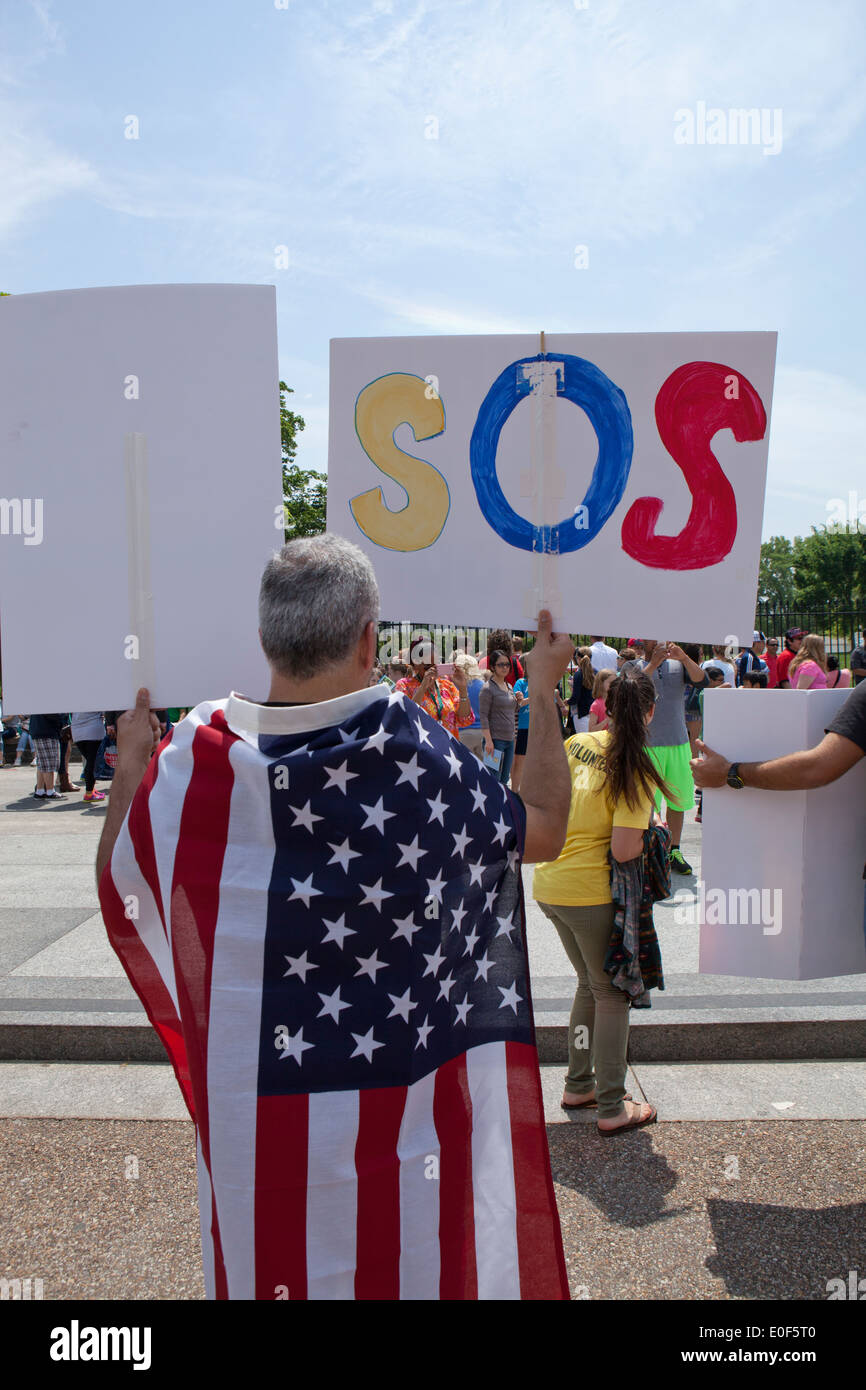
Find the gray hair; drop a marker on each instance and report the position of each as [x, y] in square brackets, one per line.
[317, 596]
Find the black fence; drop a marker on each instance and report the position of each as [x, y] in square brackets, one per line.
[841, 628]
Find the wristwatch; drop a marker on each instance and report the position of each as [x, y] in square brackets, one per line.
[734, 779]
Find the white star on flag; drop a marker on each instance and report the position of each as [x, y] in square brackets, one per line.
[366, 1045]
[377, 815]
[510, 997]
[482, 965]
[514, 860]
[463, 1009]
[423, 1029]
[338, 777]
[435, 886]
[454, 763]
[475, 872]
[403, 1005]
[490, 899]
[370, 964]
[304, 816]
[332, 1005]
[480, 800]
[445, 987]
[295, 1047]
[410, 854]
[461, 841]
[342, 854]
[423, 735]
[410, 772]
[438, 808]
[501, 830]
[304, 888]
[346, 738]
[471, 939]
[337, 932]
[434, 962]
[405, 927]
[299, 965]
[374, 894]
[458, 913]
[376, 741]
[506, 927]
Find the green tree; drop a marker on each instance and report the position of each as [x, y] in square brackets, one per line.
[776, 583]
[830, 567]
[305, 491]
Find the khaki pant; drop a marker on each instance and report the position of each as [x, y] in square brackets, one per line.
[598, 1030]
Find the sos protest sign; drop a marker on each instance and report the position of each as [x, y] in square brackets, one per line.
[617, 479]
[140, 493]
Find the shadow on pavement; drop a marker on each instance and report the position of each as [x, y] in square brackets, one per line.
[760, 1248]
[623, 1177]
[73, 802]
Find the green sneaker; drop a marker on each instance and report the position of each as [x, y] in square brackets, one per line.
[678, 864]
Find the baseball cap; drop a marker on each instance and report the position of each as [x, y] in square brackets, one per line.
[758, 637]
[795, 632]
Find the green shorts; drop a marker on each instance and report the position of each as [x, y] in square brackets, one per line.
[672, 764]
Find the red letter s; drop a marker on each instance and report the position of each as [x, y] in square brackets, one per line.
[692, 405]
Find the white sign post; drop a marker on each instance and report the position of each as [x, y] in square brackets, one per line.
[616, 478]
[782, 896]
[140, 426]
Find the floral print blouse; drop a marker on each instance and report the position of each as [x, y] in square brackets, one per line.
[441, 703]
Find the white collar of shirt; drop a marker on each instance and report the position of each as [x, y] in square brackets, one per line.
[245, 717]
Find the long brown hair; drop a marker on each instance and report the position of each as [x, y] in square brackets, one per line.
[629, 770]
[586, 668]
[811, 649]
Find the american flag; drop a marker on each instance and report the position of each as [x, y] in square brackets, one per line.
[320, 908]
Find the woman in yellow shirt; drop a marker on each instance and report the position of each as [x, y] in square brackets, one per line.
[613, 784]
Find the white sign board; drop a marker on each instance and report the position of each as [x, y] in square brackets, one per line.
[140, 484]
[463, 469]
[782, 896]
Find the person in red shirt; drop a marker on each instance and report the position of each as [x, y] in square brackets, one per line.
[771, 659]
[793, 638]
[500, 641]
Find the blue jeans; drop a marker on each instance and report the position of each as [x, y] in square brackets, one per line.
[506, 747]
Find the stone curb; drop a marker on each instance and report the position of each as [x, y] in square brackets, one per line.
[797, 1040]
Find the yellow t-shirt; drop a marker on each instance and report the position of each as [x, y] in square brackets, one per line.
[581, 874]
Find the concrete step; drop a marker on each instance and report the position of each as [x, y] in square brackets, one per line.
[720, 1091]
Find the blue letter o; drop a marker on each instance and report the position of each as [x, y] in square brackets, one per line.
[608, 412]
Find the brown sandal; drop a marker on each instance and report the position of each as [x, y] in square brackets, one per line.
[588, 1104]
[633, 1123]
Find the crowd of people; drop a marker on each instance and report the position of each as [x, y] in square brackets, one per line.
[483, 700]
[47, 740]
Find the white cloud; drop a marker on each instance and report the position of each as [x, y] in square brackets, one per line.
[34, 171]
[437, 317]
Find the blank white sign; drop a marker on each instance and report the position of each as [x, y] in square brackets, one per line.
[142, 423]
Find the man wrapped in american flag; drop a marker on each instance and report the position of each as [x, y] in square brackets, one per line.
[317, 899]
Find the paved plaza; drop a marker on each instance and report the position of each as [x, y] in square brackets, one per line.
[750, 1186]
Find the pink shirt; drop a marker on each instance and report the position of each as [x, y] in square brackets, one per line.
[599, 709]
[815, 679]
[838, 680]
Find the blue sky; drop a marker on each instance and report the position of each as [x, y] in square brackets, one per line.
[306, 127]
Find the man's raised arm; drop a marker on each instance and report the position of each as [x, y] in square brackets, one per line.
[137, 736]
[545, 786]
